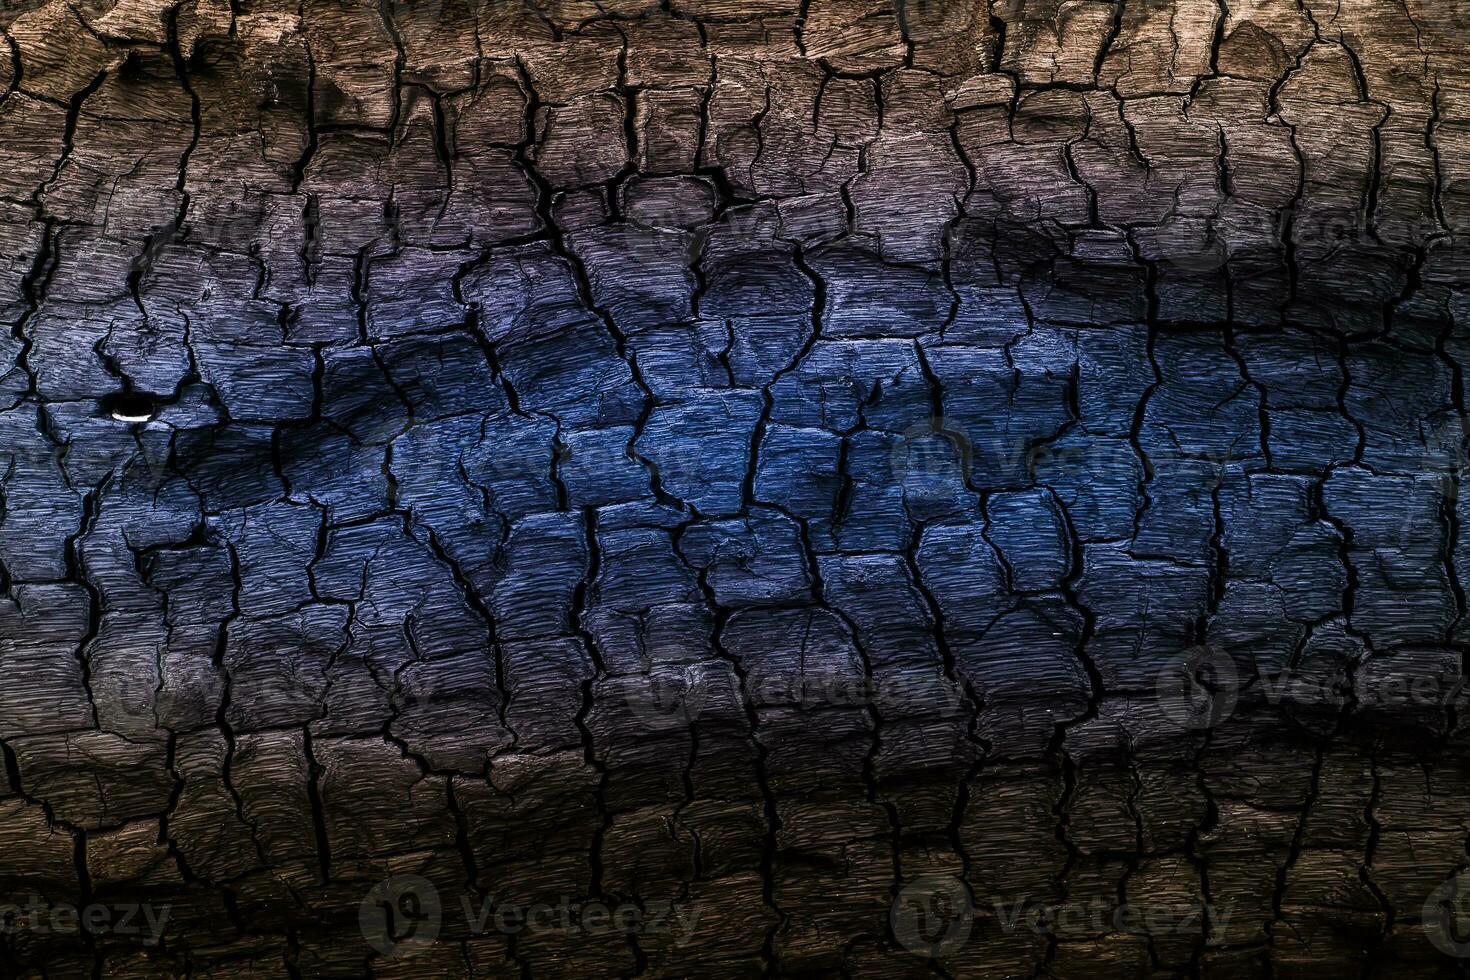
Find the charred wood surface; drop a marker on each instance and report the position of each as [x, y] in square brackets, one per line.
[733, 488]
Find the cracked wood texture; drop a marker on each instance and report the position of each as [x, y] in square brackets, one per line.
[793, 468]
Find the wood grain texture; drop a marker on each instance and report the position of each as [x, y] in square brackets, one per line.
[853, 488]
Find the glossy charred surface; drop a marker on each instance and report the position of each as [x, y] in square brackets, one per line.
[834, 477]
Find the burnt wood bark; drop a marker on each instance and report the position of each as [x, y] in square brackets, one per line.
[861, 488]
